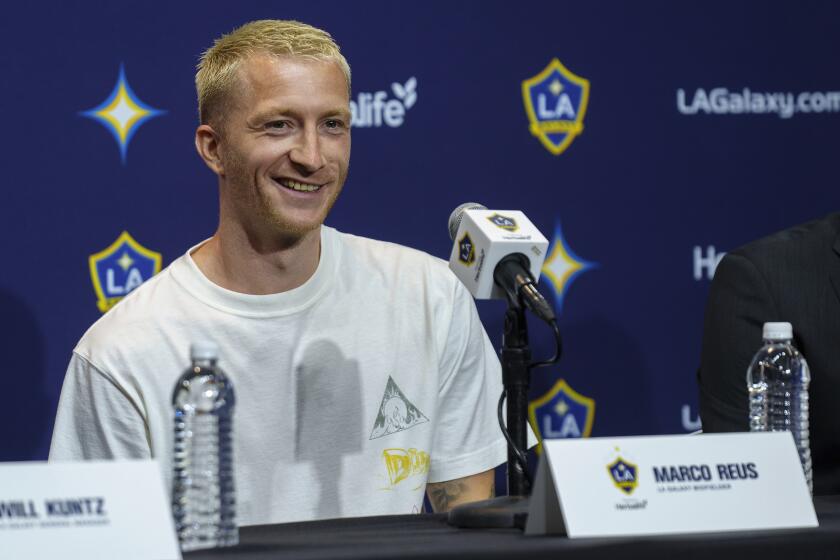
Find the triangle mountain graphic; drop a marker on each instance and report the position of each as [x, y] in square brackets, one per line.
[396, 413]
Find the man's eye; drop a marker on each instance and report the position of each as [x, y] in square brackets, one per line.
[334, 123]
[278, 125]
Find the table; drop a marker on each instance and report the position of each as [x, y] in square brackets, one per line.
[428, 536]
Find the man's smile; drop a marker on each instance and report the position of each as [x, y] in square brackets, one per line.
[297, 185]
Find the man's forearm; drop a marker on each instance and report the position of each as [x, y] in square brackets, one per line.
[446, 495]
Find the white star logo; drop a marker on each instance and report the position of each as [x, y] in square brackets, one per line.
[122, 113]
[125, 261]
[562, 266]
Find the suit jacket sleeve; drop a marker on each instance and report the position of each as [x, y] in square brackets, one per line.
[740, 301]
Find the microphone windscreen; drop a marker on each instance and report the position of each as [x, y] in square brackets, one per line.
[458, 214]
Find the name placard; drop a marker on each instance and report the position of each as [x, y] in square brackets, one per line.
[115, 509]
[655, 485]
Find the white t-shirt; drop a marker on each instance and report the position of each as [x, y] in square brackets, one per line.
[352, 391]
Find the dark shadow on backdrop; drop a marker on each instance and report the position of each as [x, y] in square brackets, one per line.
[23, 423]
[329, 423]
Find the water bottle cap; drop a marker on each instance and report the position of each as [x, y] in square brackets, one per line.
[204, 350]
[778, 331]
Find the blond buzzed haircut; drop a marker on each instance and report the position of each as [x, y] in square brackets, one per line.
[217, 66]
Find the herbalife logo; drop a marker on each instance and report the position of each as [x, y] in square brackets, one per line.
[375, 109]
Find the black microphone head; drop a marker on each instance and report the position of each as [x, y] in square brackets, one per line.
[458, 214]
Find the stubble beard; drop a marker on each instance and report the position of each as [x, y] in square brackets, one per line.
[257, 209]
[280, 223]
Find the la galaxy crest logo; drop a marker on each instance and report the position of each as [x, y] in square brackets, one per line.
[466, 250]
[562, 413]
[122, 113]
[624, 475]
[120, 268]
[503, 222]
[556, 101]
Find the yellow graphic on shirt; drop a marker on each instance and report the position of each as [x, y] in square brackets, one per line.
[403, 464]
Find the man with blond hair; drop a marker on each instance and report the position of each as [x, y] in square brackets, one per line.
[362, 373]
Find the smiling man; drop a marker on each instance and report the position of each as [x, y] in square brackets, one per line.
[362, 373]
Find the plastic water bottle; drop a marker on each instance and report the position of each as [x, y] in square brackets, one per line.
[203, 500]
[777, 382]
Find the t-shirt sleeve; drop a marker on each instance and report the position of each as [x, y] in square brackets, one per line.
[97, 418]
[467, 440]
[739, 304]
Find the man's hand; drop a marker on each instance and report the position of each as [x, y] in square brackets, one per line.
[446, 495]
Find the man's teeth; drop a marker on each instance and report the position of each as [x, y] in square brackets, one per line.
[295, 186]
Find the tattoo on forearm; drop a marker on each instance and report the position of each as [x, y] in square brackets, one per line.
[445, 494]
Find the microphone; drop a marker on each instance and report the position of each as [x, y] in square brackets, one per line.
[498, 254]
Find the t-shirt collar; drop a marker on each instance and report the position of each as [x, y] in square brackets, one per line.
[190, 277]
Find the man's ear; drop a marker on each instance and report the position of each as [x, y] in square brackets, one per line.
[207, 144]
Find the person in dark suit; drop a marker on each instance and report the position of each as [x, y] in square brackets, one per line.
[793, 276]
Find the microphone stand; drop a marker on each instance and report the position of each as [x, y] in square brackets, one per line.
[516, 378]
[511, 510]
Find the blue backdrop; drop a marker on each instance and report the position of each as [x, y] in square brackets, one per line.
[684, 129]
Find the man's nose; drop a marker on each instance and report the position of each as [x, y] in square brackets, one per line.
[307, 153]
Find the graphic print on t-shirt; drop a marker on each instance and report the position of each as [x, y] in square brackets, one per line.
[405, 464]
[396, 413]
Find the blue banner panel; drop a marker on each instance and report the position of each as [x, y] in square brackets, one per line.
[644, 139]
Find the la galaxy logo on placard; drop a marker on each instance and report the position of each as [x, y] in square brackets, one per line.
[466, 250]
[625, 477]
[503, 222]
[120, 268]
[556, 102]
